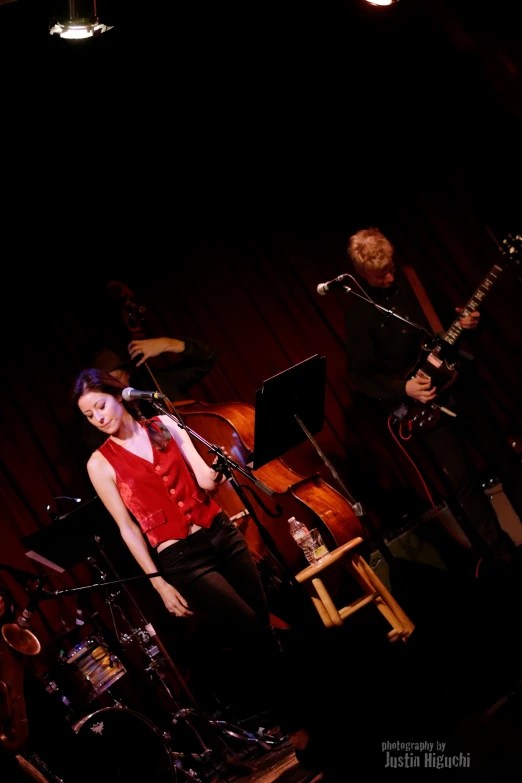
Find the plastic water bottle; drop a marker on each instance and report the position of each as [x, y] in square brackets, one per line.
[310, 541]
[298, 530]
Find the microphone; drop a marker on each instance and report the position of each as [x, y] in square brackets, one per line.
[337, 282]
[130, 394]
[24, 621]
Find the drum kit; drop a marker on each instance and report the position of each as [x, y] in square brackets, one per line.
[113, 739]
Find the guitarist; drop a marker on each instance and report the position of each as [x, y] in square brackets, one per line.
[381, 349]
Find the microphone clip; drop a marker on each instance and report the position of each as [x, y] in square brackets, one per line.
[221, 465]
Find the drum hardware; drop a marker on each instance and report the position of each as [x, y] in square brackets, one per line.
[230, 729]
[40, 765]
[93, 658]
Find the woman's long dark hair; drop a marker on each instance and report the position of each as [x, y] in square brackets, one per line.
[101, 381]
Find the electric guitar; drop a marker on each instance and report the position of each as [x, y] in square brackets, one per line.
[437, 360]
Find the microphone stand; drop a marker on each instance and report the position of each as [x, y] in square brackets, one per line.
[225, 465]
[366, 298]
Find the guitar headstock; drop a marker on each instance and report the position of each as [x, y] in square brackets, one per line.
[511, 249]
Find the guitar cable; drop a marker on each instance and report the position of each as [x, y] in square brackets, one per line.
[403, 437]
[424, 484]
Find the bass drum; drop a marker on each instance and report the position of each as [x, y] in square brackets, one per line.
[117, 744]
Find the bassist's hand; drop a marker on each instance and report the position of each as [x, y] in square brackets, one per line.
[419, 389]
[154, 346]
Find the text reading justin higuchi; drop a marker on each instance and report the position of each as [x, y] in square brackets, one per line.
[422, 754]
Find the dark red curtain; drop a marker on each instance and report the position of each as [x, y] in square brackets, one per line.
[419, 115]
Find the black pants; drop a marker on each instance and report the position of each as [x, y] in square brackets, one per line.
[447, 444]
[214, 571]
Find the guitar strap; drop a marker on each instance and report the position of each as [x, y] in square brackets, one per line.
[422, 296]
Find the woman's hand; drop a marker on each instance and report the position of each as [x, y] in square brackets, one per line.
[470, 321]
[174, 601]
[153, 347]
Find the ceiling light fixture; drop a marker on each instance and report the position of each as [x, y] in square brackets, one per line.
[382, 2]
[78, 21]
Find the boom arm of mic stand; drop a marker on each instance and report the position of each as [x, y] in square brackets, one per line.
[384, 310]
[95, 585]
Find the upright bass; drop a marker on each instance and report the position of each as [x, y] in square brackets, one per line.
[309, 498]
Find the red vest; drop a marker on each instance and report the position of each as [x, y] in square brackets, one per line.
[163, 496]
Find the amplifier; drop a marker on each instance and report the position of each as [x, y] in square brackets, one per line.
[509, 521]
[437, 540]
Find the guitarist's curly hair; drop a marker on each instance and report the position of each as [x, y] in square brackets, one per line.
[369, 249]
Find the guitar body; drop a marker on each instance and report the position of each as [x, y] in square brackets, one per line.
[443, 373]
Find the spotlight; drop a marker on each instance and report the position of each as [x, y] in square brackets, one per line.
[79, 20]
[382, 2]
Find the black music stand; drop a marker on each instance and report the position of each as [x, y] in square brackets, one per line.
[70, 538]
[298, 390]
[289, 410]
[68, 541]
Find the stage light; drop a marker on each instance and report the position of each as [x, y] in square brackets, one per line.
[382, 2]
[78, 21]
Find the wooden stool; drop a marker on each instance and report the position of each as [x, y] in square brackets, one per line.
[374, 592]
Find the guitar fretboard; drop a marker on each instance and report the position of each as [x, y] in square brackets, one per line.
[453, 333]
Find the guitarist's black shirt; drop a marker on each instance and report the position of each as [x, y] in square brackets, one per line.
[380, 348]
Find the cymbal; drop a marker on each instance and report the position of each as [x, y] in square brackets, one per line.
[21, 639]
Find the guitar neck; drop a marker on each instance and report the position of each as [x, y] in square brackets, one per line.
[454, 331]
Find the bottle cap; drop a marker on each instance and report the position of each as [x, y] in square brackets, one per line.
[292, 519]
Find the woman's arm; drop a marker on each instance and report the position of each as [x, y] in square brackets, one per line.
[103, 480]
[206, 477]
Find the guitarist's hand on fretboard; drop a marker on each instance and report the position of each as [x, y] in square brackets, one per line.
[419, 388]
[470, 321]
